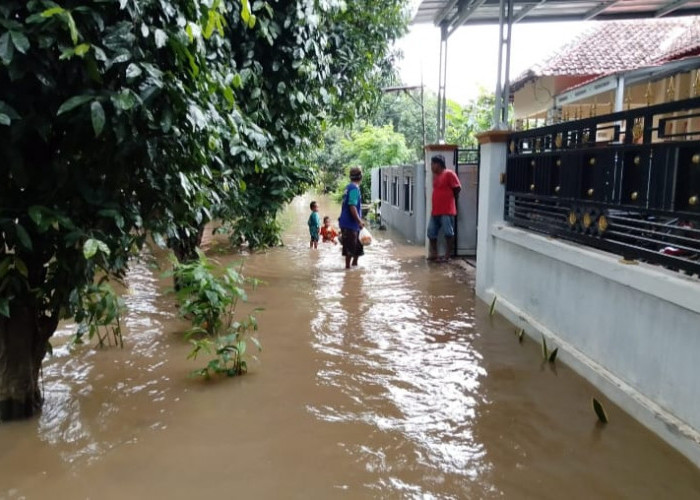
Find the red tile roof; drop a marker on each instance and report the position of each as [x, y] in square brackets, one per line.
[612, 46]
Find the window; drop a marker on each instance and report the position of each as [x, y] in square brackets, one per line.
[395, 191]
[385, 188]
[407, 194]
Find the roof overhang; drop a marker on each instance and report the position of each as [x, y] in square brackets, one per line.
[640, 75]
[455, 13]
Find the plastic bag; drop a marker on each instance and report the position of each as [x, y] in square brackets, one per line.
[365, 237]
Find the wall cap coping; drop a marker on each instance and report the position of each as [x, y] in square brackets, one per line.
[680, 290]
[440, 147]
[496, 136]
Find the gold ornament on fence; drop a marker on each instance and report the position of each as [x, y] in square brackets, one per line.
[637, 129]
[587, 221]
[671, 90]
[558, 140]
[602, 224]
[649, 94]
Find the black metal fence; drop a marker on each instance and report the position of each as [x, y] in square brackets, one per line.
[627, 183]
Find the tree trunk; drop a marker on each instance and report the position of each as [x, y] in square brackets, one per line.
[185, 246]
[23, 339]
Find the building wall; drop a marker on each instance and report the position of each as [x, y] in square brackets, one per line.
[632, 330]
[409, 220]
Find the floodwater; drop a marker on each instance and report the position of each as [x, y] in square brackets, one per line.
[388, 381]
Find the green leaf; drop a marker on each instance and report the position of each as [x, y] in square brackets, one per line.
[133, 71]
[98, 117]
[4, 119]
[82, 49]
[92, 245]
[53, 11]
[20, 41]
[124, 100]
[161, 38]
[5, 266]
[71, 27]
[9, 111]
[73, 103]
[237, 81]
[36, 214]
[66, 54]
[6, 49]
[492, 309]
[23, 236]
[553, 355]
[21, 267]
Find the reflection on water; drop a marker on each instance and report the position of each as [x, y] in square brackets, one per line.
[78, 402]
[406, 364]
[388, 381]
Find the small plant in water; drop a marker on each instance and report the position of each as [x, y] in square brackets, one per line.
[548, 355]
[492, 309]
[599, 411]
[209, 302]
[519, 332]
[99, 314]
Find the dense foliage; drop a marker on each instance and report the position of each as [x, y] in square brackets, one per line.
[120, 118]
[397, 120]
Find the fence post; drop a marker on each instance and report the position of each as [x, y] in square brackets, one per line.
[492, 163]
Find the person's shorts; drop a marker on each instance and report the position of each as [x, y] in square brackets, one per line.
[446, 222]
[351, 243]
[313, 231]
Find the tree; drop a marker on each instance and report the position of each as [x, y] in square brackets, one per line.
[122, 118]
[374, 147]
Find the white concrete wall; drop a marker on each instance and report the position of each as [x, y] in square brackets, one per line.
[632, 330]
[410, 224]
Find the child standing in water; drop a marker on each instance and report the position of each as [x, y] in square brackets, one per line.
[314, 225]
[328, 232]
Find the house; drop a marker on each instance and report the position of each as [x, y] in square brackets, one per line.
[614, 65]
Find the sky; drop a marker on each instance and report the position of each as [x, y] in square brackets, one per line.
[472, 54]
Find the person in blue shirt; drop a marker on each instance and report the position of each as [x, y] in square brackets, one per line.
[314, 225]
[350, 220]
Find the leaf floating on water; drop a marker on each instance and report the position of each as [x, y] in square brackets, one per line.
[553, 355]
[600, 411]
[493, 306]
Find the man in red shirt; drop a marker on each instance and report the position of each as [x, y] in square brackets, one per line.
[446, 187]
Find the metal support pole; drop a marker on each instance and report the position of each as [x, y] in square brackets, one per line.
[422, 110]
[442, 100]
[505, 27]
[620, 94]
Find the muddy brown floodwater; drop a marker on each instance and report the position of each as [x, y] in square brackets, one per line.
[389, 381]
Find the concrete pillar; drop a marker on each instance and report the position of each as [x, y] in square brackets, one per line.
[492, 164]
[449, 152]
